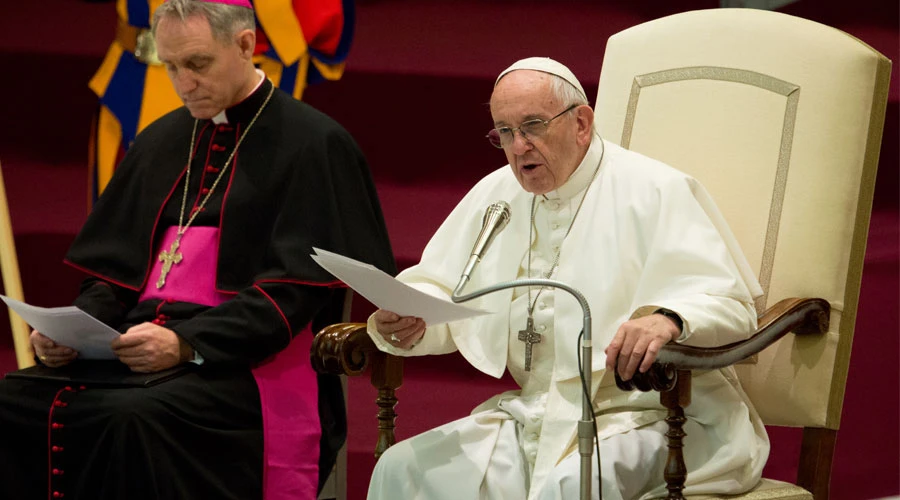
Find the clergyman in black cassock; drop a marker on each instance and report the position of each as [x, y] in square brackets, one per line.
[296, 181]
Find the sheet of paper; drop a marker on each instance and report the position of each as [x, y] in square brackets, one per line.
[68, 326]
[387, 293]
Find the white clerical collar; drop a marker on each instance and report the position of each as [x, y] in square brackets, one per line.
[582, 175]
[221, 117]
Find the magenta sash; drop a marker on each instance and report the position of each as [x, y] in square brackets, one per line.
[288, 389]
[194, 278]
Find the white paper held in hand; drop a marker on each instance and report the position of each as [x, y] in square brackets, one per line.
[68, 326]
[390, 294]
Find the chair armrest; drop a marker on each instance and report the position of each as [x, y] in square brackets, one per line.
[670, 374]
[346, 349]
[342, 349]
[803, 316]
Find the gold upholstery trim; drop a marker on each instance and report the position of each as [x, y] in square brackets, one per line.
[781, 174]
[735, 75]
[787, 493]
[858, 242]
[765, 82]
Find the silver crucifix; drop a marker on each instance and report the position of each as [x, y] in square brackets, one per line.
[530, 337]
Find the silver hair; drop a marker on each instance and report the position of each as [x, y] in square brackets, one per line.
[224, 20]
[565, 92]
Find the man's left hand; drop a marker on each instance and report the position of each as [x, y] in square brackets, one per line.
[639, 339]
[148, 348]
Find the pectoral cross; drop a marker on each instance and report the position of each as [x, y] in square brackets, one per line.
[168, 258]
[530, 337]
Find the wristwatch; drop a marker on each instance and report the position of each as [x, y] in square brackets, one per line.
[673, 316]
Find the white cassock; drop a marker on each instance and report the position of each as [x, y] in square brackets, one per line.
[646, 237]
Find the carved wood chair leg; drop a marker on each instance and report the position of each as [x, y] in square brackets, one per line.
[387, 376]
[675, 400]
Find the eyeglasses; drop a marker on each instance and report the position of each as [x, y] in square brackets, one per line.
[504, 136]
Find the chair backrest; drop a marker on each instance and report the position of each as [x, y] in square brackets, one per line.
[780, 118]
[12, 282]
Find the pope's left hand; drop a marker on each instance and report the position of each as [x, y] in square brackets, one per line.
[148, 348]
[639, 339]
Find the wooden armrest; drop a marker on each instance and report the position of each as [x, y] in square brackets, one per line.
[802, 316]
[342, 349]
[346, 349]
[671, 373]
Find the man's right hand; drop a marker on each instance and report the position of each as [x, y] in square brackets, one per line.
[49, 352]
[401, 331]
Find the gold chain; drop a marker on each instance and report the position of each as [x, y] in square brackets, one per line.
[171, 256]
[187, 178]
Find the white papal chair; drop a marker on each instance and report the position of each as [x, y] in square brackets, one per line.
[781, 119]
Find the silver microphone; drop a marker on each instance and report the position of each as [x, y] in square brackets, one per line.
[496, 217]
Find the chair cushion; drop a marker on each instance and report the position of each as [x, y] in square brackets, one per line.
[767, 489]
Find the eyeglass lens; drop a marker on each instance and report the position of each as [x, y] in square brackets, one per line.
[506, 135]
[499, 137]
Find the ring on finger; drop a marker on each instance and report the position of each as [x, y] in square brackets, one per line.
[42, 358]
[394, 338]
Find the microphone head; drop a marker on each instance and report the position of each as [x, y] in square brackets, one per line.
[498, 210]
[496, 217]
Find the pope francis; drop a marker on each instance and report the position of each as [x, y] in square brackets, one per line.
[646, 246]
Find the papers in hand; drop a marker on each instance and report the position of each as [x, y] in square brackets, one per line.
[70, 327]
[389, 294]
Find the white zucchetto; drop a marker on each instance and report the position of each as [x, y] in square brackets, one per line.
[545, 65]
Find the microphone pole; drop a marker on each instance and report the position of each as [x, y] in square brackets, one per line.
[586, 434]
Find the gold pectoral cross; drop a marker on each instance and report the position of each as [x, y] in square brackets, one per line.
[530, 337]
[168, 258]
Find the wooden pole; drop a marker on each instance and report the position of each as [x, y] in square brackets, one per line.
[12, 282]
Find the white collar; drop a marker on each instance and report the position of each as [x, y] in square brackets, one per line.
[581, 177]
[222, 117]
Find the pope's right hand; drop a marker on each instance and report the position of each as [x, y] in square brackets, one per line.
[49, 352]
[400, 331]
